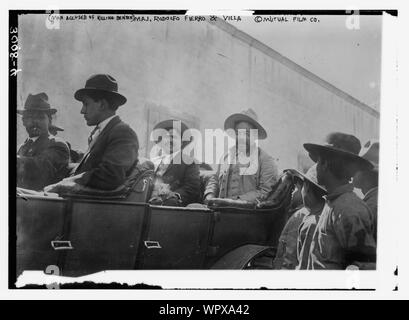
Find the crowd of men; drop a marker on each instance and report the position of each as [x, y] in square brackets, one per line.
[331, 227]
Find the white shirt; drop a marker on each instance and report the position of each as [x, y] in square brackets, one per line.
[34, 139]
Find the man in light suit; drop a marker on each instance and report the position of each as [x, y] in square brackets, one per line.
[41, 159]
[113, 145]
[249, 181]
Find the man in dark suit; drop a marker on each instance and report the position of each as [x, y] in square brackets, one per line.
[41, 159]
[113, 145]
[177, 180]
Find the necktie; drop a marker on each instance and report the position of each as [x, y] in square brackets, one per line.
[91, 136]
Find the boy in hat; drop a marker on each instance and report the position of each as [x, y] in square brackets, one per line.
[245, 181]
[296, 236]
[112, 145]
[41, 159]
[177, 181]
[367, 180]
[343, 235]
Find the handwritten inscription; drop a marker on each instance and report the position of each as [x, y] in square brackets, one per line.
[14, 48]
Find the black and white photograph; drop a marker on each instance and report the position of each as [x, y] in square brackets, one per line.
[160, 148]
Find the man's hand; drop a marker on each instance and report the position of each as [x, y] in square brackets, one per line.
[64, 186]
[207, 198]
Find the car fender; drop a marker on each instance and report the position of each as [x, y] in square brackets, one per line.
[240, 257]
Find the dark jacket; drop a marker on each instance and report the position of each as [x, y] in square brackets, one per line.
[184, 179]
[42, 162]
[111, 159]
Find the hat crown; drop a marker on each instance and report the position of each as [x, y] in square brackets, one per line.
[37, 101]
[311, 174]
[343, 141]
[370, 152]
[102, 82]
[250, 113]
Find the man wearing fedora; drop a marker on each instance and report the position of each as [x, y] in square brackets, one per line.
[295, 239]
[112, 145]
[343, 234]
[41, 159]
[177, 180]
[249, 181]
[367, 180]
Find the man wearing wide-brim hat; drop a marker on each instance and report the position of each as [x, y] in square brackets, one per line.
[295, 239]
[367, 180]
[177, 180]
[343, 235]
[112, 145]
[41, 159]
[245, 172]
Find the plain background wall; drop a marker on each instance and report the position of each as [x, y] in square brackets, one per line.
[195, 70]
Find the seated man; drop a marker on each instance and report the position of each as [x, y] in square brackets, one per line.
[113, 145]
[245, 181]
[41, 159]
[177, 181]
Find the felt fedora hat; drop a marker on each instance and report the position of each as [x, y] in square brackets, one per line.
[249, 116]
[310, 175]
[339, 144]
[103, 83]
[37, 103]
[370, 152]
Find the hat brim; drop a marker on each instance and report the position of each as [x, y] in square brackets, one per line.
[49, 111]
[56, 128]
[79, 95]
[304, 177]
[317, 149]
[231, 121]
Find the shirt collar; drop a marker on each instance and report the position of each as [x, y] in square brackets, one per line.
[346, 188]
[371, 192]
[103, 124]
[316, 210]
[34, 139]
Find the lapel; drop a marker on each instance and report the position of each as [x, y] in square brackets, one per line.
[107, 128]
[104, 131]
[34, 147]
[224, 173]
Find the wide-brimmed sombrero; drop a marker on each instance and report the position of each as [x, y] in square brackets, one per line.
[310, 175]
[37, 103]
[341, 145]
[248, 116]
[103, 83]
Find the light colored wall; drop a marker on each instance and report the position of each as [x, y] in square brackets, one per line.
[199, 70]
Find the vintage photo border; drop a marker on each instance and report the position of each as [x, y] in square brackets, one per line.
[388, 158]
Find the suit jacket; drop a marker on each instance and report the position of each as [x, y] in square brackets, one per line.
[42, 162]
[111, 158]
[254, 186]
[184, 179]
